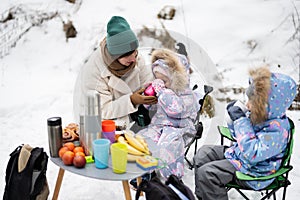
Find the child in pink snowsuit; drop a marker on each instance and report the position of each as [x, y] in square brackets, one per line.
[172, 126]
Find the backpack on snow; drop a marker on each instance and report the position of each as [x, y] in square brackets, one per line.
[31, 182]
[173, 189]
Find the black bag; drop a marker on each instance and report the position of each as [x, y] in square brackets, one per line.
[173, 189]
[141, 116]
[31, 182]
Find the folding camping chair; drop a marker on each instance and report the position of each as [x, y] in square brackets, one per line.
[281, 176]
[198, 125]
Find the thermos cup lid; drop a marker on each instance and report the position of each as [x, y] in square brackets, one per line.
[54, 121]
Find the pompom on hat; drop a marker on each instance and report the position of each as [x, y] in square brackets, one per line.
[120, 38]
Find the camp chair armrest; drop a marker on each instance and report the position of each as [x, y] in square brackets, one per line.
[225, 132]
[280, 172]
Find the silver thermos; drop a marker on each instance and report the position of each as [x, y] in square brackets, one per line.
[81, 131]
[91, 121]
[54, 135]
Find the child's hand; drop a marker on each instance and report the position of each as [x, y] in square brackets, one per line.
[230, 104]
[235, 113]
[158, 85]
[138, 98]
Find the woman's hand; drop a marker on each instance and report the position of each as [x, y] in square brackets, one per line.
[138, 98]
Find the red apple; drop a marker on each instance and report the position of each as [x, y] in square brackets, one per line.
[79, 161]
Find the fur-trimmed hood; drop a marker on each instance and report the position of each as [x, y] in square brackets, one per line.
[272, 95]
[176, 65]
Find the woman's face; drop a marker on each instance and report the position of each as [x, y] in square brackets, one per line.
[164, 78]
[127, 60]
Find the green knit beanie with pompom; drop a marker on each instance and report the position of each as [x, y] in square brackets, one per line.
[120, 38]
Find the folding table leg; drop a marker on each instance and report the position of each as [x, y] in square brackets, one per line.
[59, 179]
[139, 180]
[126, 189]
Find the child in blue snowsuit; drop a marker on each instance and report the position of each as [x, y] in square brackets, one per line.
[172, 126]
[261, 137]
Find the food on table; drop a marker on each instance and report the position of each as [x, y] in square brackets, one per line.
[136, 145]
[68, 157]
[78, 149]
[142, 140]
[147, 162]
[71, 132]
[72, 155]
[132, 158]
[131, 150]
[79, 153]
[79, 161]
[69, 145]
[62, 150]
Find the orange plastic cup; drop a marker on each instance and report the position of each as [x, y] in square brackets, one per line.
[108, 126]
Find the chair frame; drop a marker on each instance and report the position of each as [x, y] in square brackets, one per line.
[198, 126]
[281, 176]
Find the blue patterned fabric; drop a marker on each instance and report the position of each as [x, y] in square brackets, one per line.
[259, 149]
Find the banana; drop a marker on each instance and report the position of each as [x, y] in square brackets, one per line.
[132, 158]
[134, 142]
[131, 150]
[144, 143]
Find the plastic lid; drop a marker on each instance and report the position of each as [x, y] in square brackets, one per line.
[54, 121]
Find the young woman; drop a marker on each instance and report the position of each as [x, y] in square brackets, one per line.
[116, 72]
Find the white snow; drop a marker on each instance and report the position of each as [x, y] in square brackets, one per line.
[37, 76]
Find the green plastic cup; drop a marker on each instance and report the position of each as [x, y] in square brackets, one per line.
[119, 157]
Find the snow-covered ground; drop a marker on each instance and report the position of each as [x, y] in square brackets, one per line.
[37, 76]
